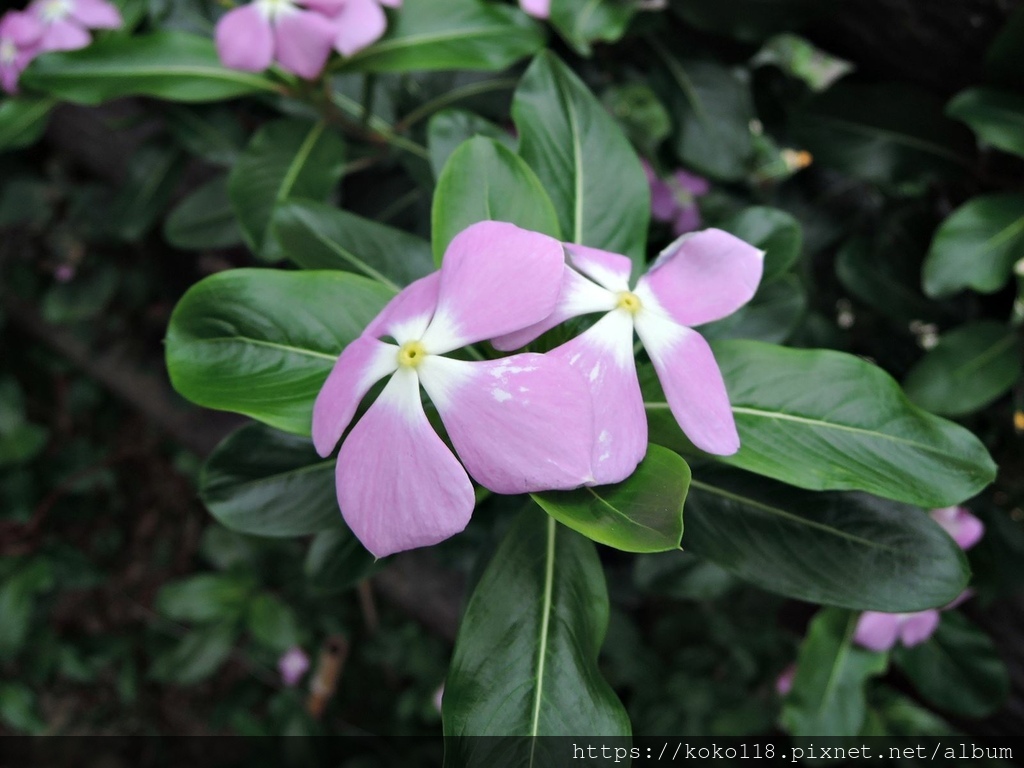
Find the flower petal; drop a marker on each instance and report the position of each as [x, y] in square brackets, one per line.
[63, 36]
[702, 277]
[960, 524]
[577, 296]
[303, 40]
[687, 219]
[519, 424]
[23, 28]
[663, 199]
[608, 269]
[689, 182]
[918, 627]
[604, 357]
[399, 486]
[245, 40]
[540, 9]
[360, 23]
[407, 316]
[96, 14]
[362, 364]
[495, 279]
[692, 382]
[877, 631]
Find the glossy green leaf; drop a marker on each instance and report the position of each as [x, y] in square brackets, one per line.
[204, 219]
[825, 420]
[582, 24]
[957, 669]
[269, 483]
[977, 246]
[643, 513]
[851, 550]
[801, 59]
[450, 34]
[261, 342]
[284, 159]
[336, 561]
[272, 623]
[174, 66]
[525, 661]
[969, 368]
[450, 127]
[997, 117]
[23, 120]
[885, 134]
[712, 109]
[204, 598]
[775, 232]
[484, 181]
[318, 236]
[828, 695]
[772, 315]
[583, 160]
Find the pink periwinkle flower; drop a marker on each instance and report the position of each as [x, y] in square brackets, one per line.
[18, 46]
[292, 665]
[539, 9]
[784, 682]
[880, 631]
[959, 523]
[518, 424]
[674, 200]
[359, 23]
[699, 278]
[63, 25]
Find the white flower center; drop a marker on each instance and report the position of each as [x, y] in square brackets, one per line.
[271, 9]
[8, 51]
[52, 11]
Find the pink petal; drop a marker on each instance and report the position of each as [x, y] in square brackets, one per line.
[245, 39]
[965, 529]
[495, 279]
[540, 9]
[687, 219]
[604, 357]
[702, 277]
[577, 296]
[784, 682]
[399, 486]
[603, 267]
[292, 665]
[519, 424]
[391, 3]
[407, 316]
[663, 200]
[877, 631]
[960, 599]
[360, 23]
[96, 14]
[362, 364]
[918, 627]
[63, 36]
[303, 40]
[692, 382]
[24, 29]
[9, 75]
[689, 182]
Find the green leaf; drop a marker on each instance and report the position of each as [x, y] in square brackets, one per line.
[640, 113]
[1004, 61]
[525, 661]
[144, 195]
[750, 20]
[17, 602]
[450, 127]
[336, 561]
[174, 66]
[828, 696]
[213, 133]
[23, 120]
[643, 513]
[22, 443]
[204, 219]
[318, 236]
[968, 369]
[18, 709]
[844, 549]
[484, 181]
[773, 231]
[957, 669]
[197, 656]
[272, 623]
[269, 483]
[801, 59]
[884, 134]
[592, 21]
[682, 576]
[825, 420]
[996, 116]
[261, 342]
[977, 246]
[582, 159]
[772, 315]
[204, 598]
[284, 159]
[712, 108]
[450, 34]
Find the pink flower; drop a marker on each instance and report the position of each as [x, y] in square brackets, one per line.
[358, 23]
[880, 631]
[959, 523]
[292, 665]
[519, 424]
[539, 9]
[784, 682]
[674, 200]
[699, 278]
[18, 46]
[63, 25]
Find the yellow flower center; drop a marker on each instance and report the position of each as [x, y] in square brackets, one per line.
[629, 302]
[411, 354]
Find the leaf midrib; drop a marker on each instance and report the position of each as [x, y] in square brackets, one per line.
[542, 649]
[263, 343]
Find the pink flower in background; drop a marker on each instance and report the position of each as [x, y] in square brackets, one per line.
[959, 523]
[674, 200]
[292, 665]
[519, 424]
[784, 682]
[18, 36]
[358, 23]
[63, 25]
[699, 278]
[539, 9]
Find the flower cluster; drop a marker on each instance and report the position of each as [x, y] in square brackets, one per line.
[881, 631]
[49, 25]
[298, 34]
[528, 422]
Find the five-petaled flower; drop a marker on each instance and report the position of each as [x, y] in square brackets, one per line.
[63, 25]
[699, 278]
[674, 200]
[519, 424]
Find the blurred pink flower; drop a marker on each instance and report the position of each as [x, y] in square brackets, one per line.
[358, 23]
[674, 200]
[880, 631]
[539, 9]
[959, 523]
[18, 46]
[63, 25]
[784, 682]
[292, 665]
